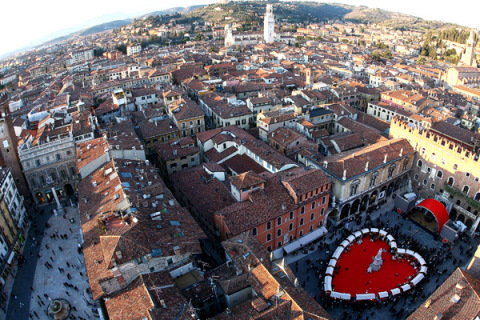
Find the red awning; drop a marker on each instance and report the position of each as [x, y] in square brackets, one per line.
[437, 209]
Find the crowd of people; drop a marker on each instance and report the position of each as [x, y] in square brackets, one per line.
[57, 255]
[442, 259]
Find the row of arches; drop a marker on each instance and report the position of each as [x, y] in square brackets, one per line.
[455, 216]
[47, 196]
[360, 205]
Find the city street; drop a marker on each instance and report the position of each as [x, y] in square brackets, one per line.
[55, 269]
[24, 277]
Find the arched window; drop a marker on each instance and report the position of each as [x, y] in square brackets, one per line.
[269, 237]
[405, 164]
[373, 179]
[419, 163]
[477, 196]
[312, 216]
[391, 170]
[354, 187]
[439, 174]
[269, 225]
[455, 166]
[450, 181]
[279, 221]
[279, 232]
[444, 161]
[433, 156]
[313, 205]
[465, 189]
[301, 222]
[254, 231]
[422, 151]
[290, 227]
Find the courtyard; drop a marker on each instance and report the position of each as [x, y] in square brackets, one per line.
[442, 259]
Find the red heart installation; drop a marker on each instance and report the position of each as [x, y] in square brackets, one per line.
[350, 275]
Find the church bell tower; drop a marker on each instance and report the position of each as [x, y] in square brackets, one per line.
[269, 25]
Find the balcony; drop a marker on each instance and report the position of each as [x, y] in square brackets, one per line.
[454, 192]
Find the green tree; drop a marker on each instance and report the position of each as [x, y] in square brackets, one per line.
[122, 48]
[421, 60]
[98, 52]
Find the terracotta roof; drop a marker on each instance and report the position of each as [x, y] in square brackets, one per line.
[459, 285]
[246, 180]
[353, 162]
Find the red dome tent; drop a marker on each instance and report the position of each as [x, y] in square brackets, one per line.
[437, 209]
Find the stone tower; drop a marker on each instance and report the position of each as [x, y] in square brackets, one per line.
[229, 41]
[269, 25]
[468, 58]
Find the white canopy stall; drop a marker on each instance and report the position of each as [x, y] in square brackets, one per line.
[335, 295]
[417, 279]
[395, 291]
[365, 231]
[419, 258]
[337, 253]
[374, 230]
[346, 296]
[328, 283]
[423, 269]
[406, 287]
[351, 238]
[365, 296]
[358, 234]
[383, 294]
[345, 243]
[329, 270]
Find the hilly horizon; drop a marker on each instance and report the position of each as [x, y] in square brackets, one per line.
[294, 12]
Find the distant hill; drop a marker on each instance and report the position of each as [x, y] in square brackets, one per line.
[105, 26]
[170, 11]
[251, 12]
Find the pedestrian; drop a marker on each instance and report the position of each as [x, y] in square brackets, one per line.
[74, 309]
[46, 246]
[76, 289]
[70, 230]
[45, 295]
[60, 248]
[53, 252]
[69, 276]
[39, 304]
[81, 274]
[51, 259]
[68, 264]
[68, 294]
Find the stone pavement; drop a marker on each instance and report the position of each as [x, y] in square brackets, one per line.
[311, 278]
[60, 271]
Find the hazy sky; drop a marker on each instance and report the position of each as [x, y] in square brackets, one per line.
[24, 22]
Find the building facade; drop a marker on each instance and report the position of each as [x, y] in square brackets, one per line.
[50, 165]
[445, 167]
[363, 178]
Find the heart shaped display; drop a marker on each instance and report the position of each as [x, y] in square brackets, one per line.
[368, 265]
